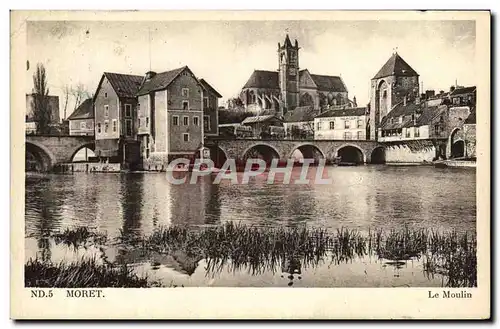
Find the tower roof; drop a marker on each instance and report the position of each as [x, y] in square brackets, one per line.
[287, 43]
[396, 65]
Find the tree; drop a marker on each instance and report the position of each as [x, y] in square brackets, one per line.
[42, 114]
[80, 94]
[67, 93]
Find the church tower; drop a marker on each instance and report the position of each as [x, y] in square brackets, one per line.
[288, 74]
[395, 81]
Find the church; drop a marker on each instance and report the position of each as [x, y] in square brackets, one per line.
[281, 91]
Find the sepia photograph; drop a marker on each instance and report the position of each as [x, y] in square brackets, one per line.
[253, 153]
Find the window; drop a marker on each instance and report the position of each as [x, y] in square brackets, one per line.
[185, 92]
[175, 120]
[407, 132]
[147, 122]
[347, 124]
[318, 125]
[206, 122]
[115, 126]
[185, 137]
[360, 135]
[98, 127]
[196, 121]
[128, 127]
[401, 119]
[105, 95]
[128, 110]
[347, 135]
[185, 121]
[83, 125]
[205, 102]
[436, 129]
[332, 125]
[360, 123]
[139, 122]
[185, 105]
[106, 126]
[106, 110]
[417, 132]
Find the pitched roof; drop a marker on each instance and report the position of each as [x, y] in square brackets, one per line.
[329, 83]
[259, 118]
[208, 87]
[263, 79]
[301, 114]
[427, 113]
[395, 66]
[125, 85]
[159, 81]
[347, 112]
[461, 91]
[84, 111]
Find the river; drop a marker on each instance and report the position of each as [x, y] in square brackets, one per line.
[363, 198]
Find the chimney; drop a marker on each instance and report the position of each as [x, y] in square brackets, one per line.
[354, 101]
[150, 75]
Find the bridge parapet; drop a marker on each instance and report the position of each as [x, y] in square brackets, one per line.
[51, 150]
[238, 149]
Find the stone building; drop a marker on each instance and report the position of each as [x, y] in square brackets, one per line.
[170, 114]
[146, 121]
[115, 112]
[81, 121]
[392, 83]
[210, 109]
[344, 124]
[281, 91]
[429, 129]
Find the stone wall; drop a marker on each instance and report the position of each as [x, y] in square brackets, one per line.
[403, 154]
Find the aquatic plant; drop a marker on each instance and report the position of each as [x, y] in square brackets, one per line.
[85, 273]
[80, 236]
[255, 249]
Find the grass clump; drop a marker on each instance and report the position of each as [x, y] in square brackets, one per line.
[85, 273]
[80, 236]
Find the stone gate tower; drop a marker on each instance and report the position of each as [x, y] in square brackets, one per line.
[288, 74]
[395, 81]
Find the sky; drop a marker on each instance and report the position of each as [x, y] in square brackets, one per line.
[225, 53]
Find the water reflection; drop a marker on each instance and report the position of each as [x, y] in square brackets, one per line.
[134, 205]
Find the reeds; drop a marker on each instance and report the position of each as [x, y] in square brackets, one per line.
[80, 236]
[85, 273]
[256, 249]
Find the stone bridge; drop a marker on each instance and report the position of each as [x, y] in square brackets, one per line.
[50, 151]
[356, 151]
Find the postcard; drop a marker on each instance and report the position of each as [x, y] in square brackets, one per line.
[250, 164]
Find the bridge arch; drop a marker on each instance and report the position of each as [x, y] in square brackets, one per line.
[456, 143]
[38, 157]
[309, 151]
[264, 151]
[377, 155]
[90, 146]
[218, 155]
[350, 153]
